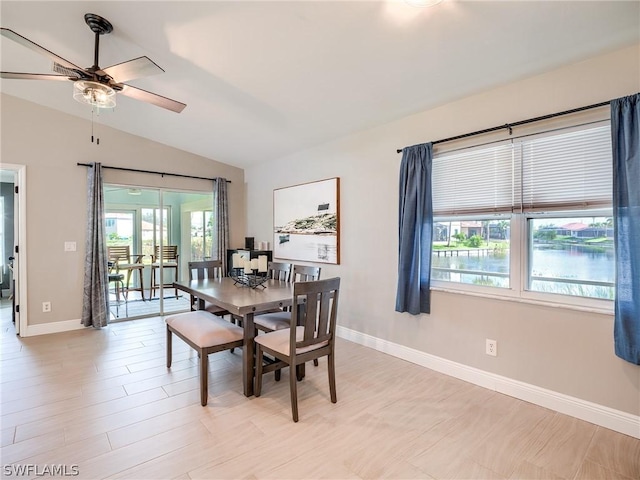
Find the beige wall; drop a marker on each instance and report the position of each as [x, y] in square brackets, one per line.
[51, 144]
[563, 350]
[566, 351]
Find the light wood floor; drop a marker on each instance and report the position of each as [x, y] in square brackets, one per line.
[136, 307]
[103, 400]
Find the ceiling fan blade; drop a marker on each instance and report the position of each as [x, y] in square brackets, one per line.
[32, 76]
[153, 98]
[70, 72]
[16, 37]
[131, 69]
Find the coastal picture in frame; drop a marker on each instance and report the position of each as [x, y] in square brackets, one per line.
[306, 222]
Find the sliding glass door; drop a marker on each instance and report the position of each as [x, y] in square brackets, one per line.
[164, 231]
[154, 229]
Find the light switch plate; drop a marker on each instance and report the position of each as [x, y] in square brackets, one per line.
[69, 246]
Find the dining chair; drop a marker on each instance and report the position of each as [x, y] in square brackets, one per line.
[304, 273]
[206, 334]
[279, 320]
[311, 335]
[167, 257]
[279, 271]
[126, 262]
[210, 269]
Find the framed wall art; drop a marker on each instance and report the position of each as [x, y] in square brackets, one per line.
[306, 222]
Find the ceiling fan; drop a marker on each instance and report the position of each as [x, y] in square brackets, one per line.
[94, 85]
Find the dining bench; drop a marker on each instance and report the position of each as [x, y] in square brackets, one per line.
[206, 333]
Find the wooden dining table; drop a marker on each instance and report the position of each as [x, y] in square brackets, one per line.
[243, 302]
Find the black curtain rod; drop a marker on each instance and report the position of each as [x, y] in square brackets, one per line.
[516, 124]
[149, 171]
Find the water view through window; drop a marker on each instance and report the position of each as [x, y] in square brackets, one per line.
[572, 256]
[474, 252]
[566, 256]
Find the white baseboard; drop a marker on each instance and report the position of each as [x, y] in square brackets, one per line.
[54, 327]
[584, 410]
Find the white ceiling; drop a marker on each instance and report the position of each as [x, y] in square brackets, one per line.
[264, 79]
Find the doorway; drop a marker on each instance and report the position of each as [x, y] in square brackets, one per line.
[12, 261]
[164, 230]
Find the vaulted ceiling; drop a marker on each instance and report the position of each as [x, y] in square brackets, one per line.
[264, 79]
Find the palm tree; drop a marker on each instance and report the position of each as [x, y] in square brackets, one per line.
[502, 228]
[485, 230]
[597, 226]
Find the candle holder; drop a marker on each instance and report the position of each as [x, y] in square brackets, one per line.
[249, 272]
[251, 280]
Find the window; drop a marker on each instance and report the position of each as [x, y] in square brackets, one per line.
[201, 234]
[123, 228]
[529, 217]
[471, 251]
[571, 256]
[120, 228]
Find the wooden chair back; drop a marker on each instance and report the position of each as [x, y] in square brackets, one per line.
[168, 253]
[120, 259]
[205, 269]
[318, 318]
[279, 271]
[210, 269]
[303, 273]
[118, 254]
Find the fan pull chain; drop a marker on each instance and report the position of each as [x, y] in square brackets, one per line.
[96, 112]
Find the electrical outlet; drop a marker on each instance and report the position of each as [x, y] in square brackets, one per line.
[46, 307]
[492, 348]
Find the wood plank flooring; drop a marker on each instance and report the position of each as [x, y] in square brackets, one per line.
[104, 401]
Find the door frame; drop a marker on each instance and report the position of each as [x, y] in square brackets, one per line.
[19, 239]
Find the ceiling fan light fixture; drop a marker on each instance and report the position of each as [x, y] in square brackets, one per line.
[94, 93]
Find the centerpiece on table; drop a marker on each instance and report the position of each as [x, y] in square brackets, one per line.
[249, 273]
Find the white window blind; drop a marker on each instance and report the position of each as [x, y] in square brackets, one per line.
[471, 181]
[568, 170]
[565, 169]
